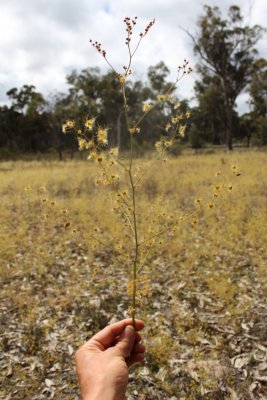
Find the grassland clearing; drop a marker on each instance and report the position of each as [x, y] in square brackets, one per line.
[203, 294]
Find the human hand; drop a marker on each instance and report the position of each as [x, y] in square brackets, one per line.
[102, 363]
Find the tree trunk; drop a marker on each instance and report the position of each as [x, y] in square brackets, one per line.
[229, 142]
[215, 135]
[248, 140]
[229, 121]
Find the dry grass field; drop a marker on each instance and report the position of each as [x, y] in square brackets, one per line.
[64, 272]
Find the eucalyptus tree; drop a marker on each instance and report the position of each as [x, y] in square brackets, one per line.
[226, 49]
[258, 99]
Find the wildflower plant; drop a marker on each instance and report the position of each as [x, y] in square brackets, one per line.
[125, 176]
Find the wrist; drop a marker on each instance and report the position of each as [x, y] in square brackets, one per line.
[100, 396]
[100, 393]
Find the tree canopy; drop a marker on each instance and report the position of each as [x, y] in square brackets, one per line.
[228, 64]
[226, 50]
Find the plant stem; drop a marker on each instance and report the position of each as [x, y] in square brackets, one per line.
[136, 250]
[159, 233]
[136, 245]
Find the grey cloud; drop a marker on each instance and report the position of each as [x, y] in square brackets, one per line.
[44, 39]
[67, 13]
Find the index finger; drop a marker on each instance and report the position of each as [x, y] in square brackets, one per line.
[108, 335]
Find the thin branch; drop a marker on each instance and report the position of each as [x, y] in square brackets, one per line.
[167, 229]
[192, 37]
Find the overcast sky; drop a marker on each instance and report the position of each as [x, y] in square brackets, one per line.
[41, 41]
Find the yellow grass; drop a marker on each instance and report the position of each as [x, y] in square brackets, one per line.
[50, 264]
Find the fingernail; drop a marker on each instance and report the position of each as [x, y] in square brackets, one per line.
[129, 328]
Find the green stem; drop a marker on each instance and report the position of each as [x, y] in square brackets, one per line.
[136, 249]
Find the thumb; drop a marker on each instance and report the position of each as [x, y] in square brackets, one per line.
[126, 342]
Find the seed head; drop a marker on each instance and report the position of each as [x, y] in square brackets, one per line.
[102, 135]
[146, 107]
[89, 124]
[134, 130]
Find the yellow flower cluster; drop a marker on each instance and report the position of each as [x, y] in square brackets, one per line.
[102, 135]
[85, 144]
[159, 147]
[122, 79]
[134, 130]
[147, 107]
[82, 144]
[114, 151]
[161, 97]
[177, 118]
[168, 127]
[92, 155]
[90, 138]
[68, 125]
[182, 129]
[162, 145]
[89, 124]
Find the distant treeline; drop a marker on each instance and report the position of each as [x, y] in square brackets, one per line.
[228, 64]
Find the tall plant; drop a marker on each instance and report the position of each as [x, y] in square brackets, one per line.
[121, 174]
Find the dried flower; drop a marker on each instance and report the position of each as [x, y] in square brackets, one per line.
[82, 144]
[92, 155]
[134, 130]
[102, 135]
[89, 124]
[69, 124]
[168, 127]
[147, 107]
[182, 129]
[161, 97]
[114, 151]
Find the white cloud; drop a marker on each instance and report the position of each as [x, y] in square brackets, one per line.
[41, 41]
